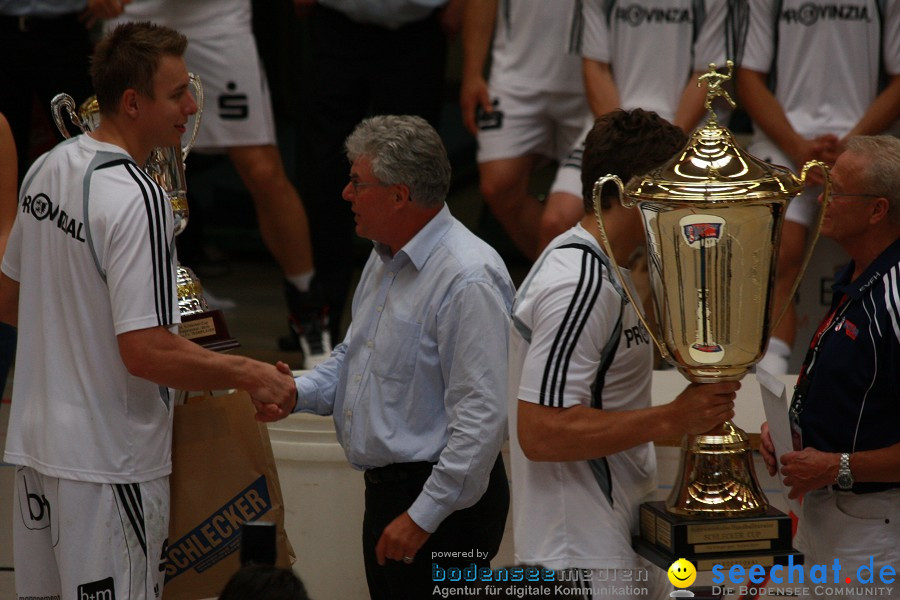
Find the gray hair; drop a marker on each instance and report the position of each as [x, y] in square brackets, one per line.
[881, 174]
[407, 150]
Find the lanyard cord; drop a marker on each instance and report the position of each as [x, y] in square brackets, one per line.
[809, 361]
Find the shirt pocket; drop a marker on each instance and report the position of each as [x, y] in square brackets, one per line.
[396, 349]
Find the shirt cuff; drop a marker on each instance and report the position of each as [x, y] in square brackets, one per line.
[306, 395]
[428, 514]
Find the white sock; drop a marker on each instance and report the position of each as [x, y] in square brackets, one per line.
[302, 281]
[776, 358]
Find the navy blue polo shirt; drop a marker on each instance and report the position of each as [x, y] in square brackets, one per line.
[851, 400]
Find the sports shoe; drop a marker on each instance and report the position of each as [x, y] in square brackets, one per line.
[308, 321]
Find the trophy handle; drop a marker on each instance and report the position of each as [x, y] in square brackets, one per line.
[57, 104]
[198, 98]
[826, 200]
[627, 203]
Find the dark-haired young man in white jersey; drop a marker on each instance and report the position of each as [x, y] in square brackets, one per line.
[580, 366]
[88, 277]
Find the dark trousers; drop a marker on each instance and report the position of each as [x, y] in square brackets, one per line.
[50, 56]
[357, 70]
[8, 336]
[479, 527]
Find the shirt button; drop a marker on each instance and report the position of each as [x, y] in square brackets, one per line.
[380, 308]
[357, 378]
[369, 344]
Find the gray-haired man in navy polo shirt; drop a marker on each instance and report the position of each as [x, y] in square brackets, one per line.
[846, 406]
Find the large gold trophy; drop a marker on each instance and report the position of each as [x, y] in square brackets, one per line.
[199, 323]
[713, 216]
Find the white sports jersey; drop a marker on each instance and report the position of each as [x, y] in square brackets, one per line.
[652, 47]
[574, 341]
[197, 19]
[849, 40]
[93, 251]
[529, 49]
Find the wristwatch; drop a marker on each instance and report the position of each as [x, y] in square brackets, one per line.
[844, 476]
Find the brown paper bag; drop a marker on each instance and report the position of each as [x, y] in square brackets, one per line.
[223, 474]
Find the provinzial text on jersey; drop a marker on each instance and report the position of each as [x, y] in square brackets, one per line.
[811, 12]
[636, 15]
[42, 208]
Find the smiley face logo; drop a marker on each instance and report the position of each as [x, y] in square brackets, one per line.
[682, 573]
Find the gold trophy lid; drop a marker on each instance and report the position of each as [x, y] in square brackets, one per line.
[712, 167]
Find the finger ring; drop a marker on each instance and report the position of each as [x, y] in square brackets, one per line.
[407, 560]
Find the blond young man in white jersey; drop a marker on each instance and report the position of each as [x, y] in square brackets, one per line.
[238, 120]
[88, 277]
[800, 117]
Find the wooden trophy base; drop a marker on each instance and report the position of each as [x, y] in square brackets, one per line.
[762, 539]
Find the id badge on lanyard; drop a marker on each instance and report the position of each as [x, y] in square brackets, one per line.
[834, 319]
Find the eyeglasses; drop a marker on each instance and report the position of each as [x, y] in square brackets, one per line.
[362, 184]
[844, 195]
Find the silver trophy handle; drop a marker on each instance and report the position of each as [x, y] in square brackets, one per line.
[627, 203]
[198, 98]
[826, 200]
[57, 104]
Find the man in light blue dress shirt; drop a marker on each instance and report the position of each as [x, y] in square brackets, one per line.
[417, 388]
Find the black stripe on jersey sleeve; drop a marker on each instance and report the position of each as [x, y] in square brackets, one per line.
[587, 290]
[576, 28]
[155, 206]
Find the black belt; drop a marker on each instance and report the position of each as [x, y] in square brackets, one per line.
[397, 472]
[38, 24]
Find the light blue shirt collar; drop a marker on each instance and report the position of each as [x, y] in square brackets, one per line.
[422, 245]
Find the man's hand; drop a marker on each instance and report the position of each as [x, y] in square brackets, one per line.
[276, 395]
[702, 406]
[809, 469]
[473, 94]
[767, 449]
[400, 540]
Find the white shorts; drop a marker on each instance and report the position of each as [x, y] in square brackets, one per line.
[852, 528]
[237, 109]
[804, 209]
[524, 122]
[74, 539]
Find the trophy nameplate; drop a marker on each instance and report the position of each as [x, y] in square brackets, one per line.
[680, 537]
[207, 329]
[706, 562]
